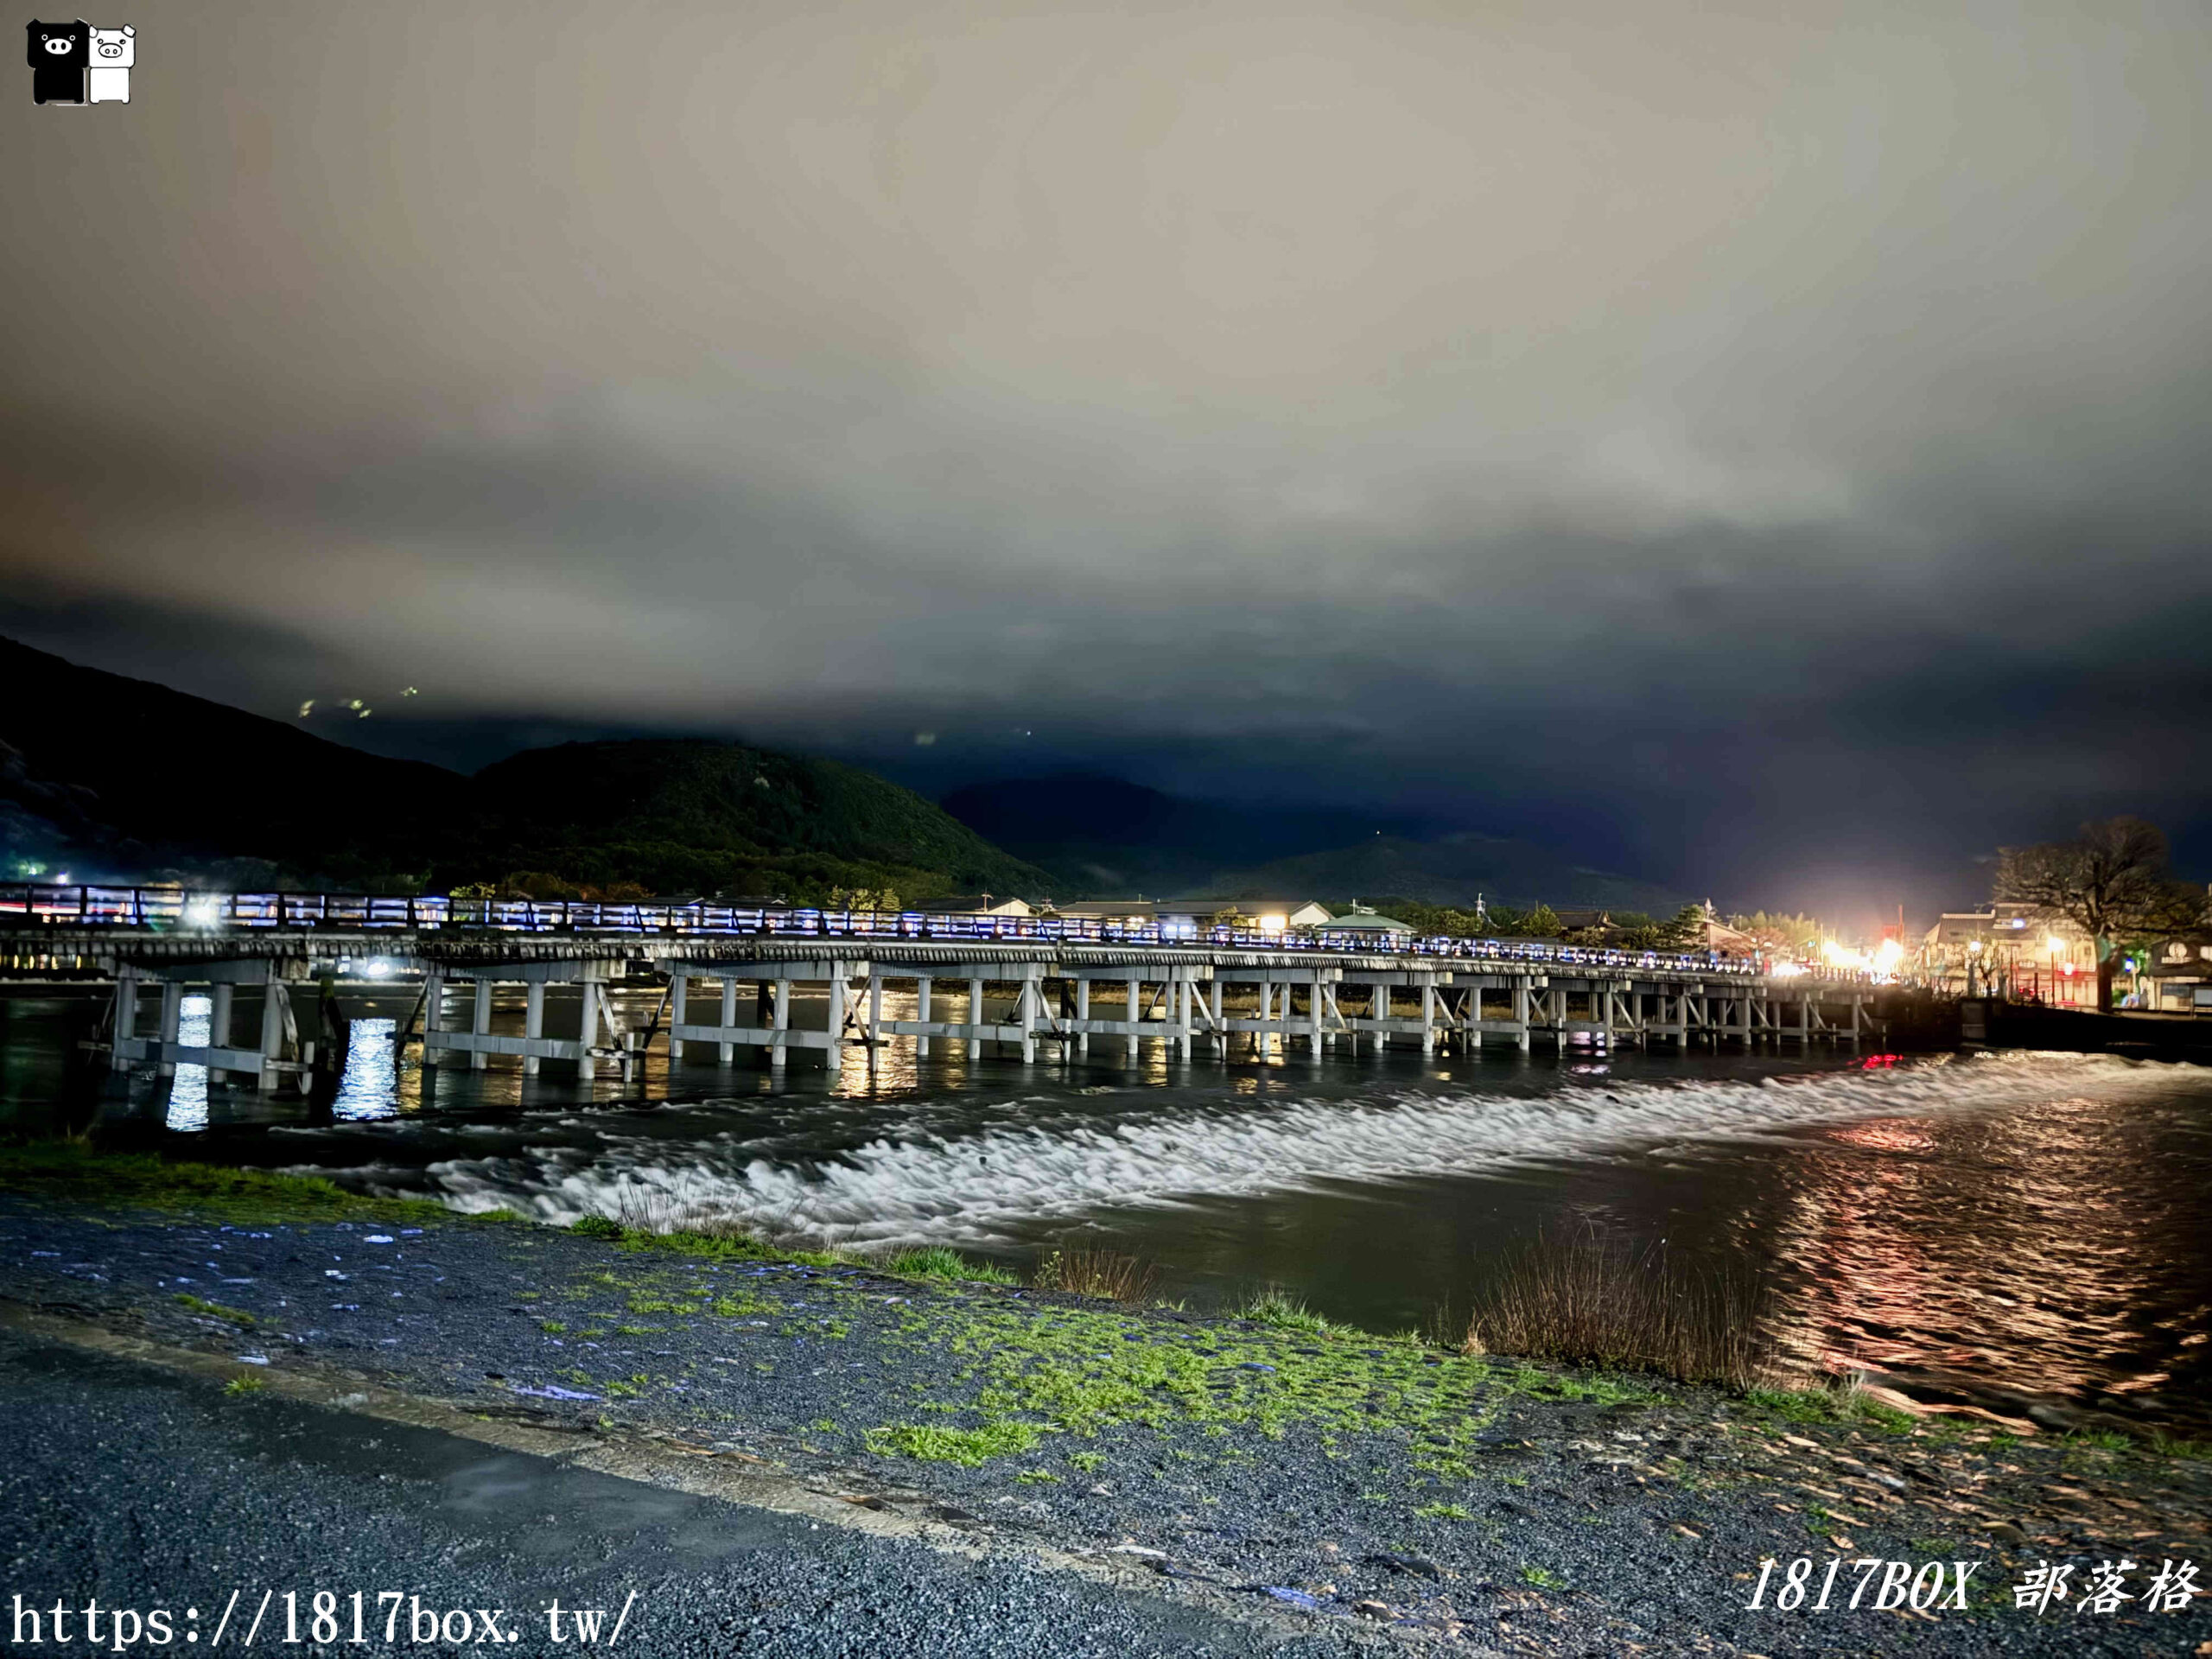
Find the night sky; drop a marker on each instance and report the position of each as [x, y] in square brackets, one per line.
[1767, 450]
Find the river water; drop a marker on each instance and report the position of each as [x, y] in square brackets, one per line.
[1987, 1228]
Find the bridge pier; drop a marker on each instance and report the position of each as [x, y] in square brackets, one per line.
[266, 1062]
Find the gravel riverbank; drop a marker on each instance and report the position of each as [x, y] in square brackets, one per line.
[1368, 1485]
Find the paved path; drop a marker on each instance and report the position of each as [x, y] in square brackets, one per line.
[146, 1490]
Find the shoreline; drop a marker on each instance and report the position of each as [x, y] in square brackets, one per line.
[1329, 1472]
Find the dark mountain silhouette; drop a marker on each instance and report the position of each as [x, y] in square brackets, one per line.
[1106, 837]
[126, 780]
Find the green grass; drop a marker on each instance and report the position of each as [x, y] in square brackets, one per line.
[244, 1385]
[1287, 1313]
[68, 1171]
[216, 1310]
[966, 1446]
[937, 1262]
[1815, 1406]
[1542, 1579]
[1445, 1512]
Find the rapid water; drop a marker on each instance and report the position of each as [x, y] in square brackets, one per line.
[2015, 1224]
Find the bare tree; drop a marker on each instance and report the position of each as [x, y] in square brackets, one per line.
[2110, 881]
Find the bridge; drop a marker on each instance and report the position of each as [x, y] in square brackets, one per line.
[1070, 981]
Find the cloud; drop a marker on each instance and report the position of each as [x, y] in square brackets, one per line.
[1652, 424]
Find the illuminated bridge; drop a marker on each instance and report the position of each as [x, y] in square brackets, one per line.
[1056, 984]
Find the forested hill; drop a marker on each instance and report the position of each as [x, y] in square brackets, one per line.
[122, 779]
[695, 816]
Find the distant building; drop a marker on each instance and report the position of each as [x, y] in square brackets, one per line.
[1188, 916]
[2005, 945]
[976, 904]
[1362, 921]
[1269, 915]
[2174, 974]
[1127, 912]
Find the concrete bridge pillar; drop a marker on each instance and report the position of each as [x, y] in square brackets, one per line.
[727, 1053]
[533, 1018]
[1521, 1016]
[219, 996]
[1136, 1013]
[874, 1014]
[679, 1012]
[479, 1022]
[1429, 1017]
[783, 1022]
[275, 1017]
[125, 1019]
[1220, 1030]
[839, 990]
[172, 1021]
[1082, 1012]
[922, 1015]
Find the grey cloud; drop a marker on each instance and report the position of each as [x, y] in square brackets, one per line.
[1618, 420]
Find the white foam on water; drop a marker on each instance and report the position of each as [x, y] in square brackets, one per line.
[981, 1187]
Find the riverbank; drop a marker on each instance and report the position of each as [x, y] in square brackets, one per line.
[1380, 1482]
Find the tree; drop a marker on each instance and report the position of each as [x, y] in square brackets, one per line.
[2109, 881]
[1686, 931]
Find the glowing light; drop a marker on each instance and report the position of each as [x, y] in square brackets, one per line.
[201, 912]
[1273, 923]
[378, 968]
[1788, 970]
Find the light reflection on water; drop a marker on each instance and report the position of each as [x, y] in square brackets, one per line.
[2033, 1226]
[369, 1088]
[188, 1102]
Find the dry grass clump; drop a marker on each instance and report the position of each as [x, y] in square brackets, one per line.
[1594, 1301]
[1107, 1274]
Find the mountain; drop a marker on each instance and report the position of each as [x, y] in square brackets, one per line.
[1107, 838]
[697, 816]
[1110, 838]
[137, 775]
[122, 779]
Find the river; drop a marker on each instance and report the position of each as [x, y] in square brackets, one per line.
[1991, 1227]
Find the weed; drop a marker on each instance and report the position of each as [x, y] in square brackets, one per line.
[937, 1262]
[244, 1385]
[596, 1227]
[1591, 1300]
[552, 1327]
[1542, 1579]
[73, 1173]
[966, 1446]
[1105, 1275]
[1089, 1462]
[1445, 1512]
[217, 1311]
[1286, 1313]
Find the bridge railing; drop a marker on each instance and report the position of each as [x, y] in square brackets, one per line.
[175, 910]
